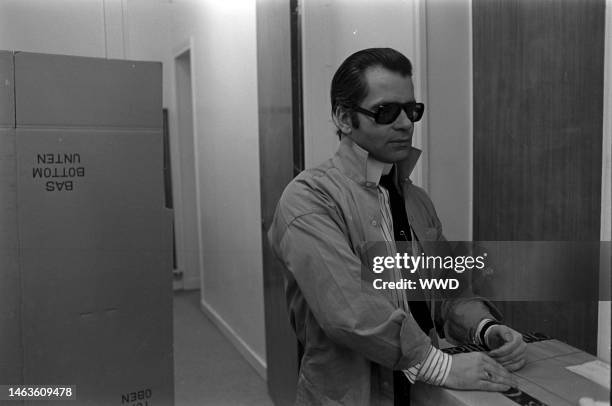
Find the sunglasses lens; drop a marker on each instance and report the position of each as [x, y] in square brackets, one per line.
[415, 111]
[388, 113]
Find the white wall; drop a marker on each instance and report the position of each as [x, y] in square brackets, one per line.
[71, 27]
[334, 29]
[449, 63]
[224, 64]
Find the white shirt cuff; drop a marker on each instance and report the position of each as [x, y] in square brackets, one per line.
[433, 370]
[476, 337]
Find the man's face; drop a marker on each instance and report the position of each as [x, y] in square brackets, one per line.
[385, 142]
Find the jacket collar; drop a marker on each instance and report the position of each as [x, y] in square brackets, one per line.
[356, 163]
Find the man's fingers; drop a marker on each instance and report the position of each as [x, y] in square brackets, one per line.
[503, 379]
[477, 370]
[515, 354]
[498, 373]
[516, 365]
[493, 387]
[502, 351]
[508, 347]
[492, 364]
[501, 376]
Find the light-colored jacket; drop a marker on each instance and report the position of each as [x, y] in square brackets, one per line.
[353, 337]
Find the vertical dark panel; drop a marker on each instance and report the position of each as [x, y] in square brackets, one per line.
[296, 88]
[538, 107]
[168, 179]
[167, 163]
[276, 152]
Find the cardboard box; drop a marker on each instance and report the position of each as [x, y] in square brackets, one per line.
[544, 377]
[86, 249]
[10, 293]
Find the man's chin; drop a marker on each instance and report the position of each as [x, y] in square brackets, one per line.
[399, 155]
[393, 155]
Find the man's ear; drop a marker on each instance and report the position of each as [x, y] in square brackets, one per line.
[342, 120]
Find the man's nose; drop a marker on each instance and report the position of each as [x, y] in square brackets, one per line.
[403, 122]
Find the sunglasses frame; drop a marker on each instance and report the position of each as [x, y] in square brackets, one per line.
[403, 106]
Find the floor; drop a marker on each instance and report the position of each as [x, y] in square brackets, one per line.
[208, 370]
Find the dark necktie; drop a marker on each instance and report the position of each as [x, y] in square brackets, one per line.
[419, 309]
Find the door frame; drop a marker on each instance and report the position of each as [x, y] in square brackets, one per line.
[184, 47]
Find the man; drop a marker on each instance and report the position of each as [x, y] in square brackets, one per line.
[362, 347]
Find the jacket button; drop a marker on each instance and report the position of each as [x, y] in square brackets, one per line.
[374, 223]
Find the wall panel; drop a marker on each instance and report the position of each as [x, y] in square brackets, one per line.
[276, 163]
[538, 83]
[449, 115]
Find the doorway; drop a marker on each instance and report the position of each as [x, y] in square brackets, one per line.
[187, 274]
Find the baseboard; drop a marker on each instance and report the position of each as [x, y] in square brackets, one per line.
[258, 364]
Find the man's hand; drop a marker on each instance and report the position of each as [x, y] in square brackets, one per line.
[508, 346]
[478, 371]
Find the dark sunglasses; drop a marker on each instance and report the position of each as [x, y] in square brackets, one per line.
[388, 112]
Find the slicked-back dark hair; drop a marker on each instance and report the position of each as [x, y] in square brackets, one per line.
[349, 86]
